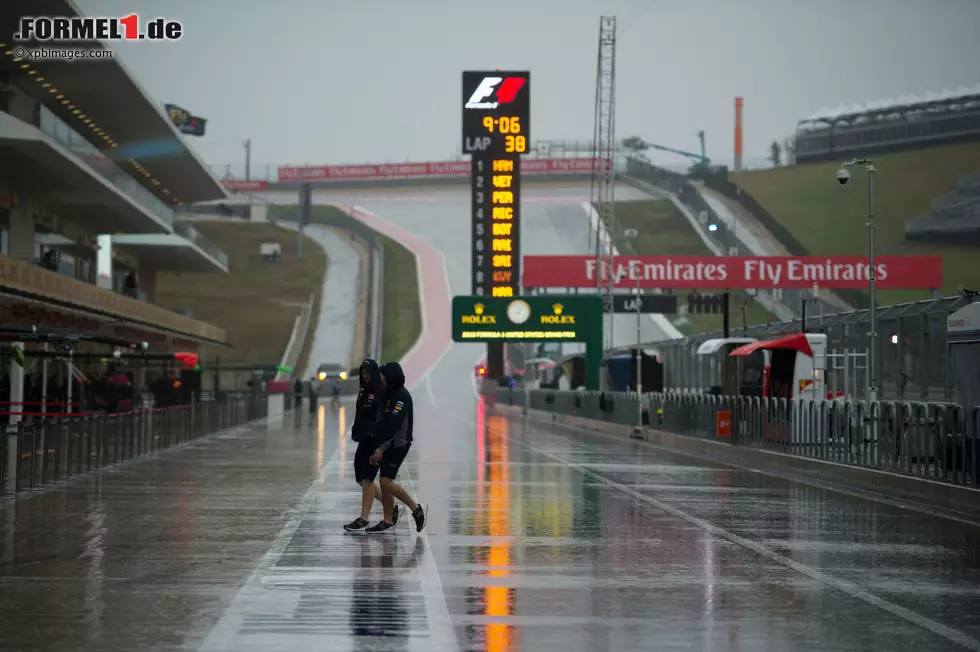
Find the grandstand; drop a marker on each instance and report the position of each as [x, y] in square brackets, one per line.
[954, 217]
[890, 125]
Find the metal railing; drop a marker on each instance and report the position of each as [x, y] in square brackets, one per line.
[57, 129]
[185, 230]
[912, 349]
[932, 441]
[53, 450]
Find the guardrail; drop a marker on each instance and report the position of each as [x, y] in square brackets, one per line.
[926, 441]
[297, 339]
[369, 284]
[53, 450]
[375, 315]
[189, 232]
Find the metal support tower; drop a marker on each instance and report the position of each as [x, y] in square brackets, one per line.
[602, 192]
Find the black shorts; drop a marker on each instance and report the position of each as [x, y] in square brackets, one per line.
[391, 461]
[363, 469]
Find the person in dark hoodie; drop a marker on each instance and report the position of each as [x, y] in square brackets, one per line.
[370, 402]
[393, 439]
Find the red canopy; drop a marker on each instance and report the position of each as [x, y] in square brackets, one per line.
[187, 360]
[797, 342]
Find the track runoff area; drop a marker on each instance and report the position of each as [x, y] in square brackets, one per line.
[496, 134]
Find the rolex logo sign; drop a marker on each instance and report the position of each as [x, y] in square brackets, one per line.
[558, 317]
[478, 318]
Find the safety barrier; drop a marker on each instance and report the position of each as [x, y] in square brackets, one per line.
[931, 441]
[297, 340]
[52, 450]
[375, 315]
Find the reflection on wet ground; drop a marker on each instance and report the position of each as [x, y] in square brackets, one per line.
[539, 538]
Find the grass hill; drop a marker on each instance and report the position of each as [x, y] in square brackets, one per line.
[830, 219]
[663, 230]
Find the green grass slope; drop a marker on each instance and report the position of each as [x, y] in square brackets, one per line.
[830, 219]
[662, 230]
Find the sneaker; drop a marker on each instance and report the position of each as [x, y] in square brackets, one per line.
[380, 528]
[419, 516]
[394, 517]
[357, 525]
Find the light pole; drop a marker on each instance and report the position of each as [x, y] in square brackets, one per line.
[843, 176]
[637, 303]
[639, 364]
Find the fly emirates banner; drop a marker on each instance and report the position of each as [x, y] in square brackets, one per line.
[730, 273]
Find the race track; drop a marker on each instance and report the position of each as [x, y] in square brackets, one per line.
[554, 222]
[334, 337]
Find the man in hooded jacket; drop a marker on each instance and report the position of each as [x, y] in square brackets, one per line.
[393, 439]
[370, 402]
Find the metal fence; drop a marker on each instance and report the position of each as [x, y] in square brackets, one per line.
[923, 440]
[912, 351]
[52, 450]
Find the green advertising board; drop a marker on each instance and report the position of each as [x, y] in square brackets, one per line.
[564, 318]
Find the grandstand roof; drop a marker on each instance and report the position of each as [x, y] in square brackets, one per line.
[109, 95]
[902, 102]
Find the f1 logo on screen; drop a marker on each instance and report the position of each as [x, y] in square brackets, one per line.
[509, 88]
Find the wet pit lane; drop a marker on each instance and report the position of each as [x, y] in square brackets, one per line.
[538, 539]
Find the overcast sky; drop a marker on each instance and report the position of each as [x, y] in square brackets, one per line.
[330, 81]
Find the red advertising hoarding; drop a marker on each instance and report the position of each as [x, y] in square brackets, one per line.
[242, 184]
[742, 272]
[427, 169]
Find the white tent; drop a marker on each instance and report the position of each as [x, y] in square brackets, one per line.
[963, 339]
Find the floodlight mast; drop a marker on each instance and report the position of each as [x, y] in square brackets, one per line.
[843, 175]
[602, 191]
